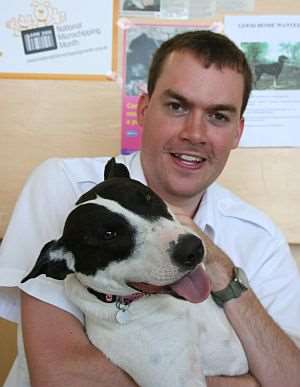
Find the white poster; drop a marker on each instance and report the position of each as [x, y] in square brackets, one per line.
[272, 46]
[56, 38]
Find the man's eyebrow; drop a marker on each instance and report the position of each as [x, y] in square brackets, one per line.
[212, 108]
[223, 107]
[173, 94]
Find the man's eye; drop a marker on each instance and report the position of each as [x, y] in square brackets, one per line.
[218, 118]
[176, 107]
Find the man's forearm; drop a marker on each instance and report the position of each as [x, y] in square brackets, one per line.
[59, 353]
[87, 368]
[232, 381]
[273, 357]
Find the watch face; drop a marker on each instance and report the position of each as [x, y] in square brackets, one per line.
[241, 277]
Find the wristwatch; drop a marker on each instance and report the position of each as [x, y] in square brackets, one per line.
[238, 284]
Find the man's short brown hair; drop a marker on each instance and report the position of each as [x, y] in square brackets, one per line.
[211, 48]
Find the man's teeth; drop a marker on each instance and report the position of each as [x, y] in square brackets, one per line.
[189, 158]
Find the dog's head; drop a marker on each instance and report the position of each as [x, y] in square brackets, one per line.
[121, 237]
[282, 58]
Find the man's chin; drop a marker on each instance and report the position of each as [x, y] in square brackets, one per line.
[185, 192]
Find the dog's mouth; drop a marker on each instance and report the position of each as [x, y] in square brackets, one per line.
[194, 287]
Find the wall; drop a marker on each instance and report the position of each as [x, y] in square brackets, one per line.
[42, 119]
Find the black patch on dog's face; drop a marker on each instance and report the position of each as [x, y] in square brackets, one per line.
[97, 236]
[131, 194]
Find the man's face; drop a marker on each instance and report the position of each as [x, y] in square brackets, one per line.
[190, 125]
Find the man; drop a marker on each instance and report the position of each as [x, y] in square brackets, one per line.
[192, 117]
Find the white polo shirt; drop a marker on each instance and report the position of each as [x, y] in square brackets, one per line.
[243, 232]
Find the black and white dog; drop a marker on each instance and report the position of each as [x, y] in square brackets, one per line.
[138, 276]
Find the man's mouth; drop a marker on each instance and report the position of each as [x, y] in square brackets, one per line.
[188, 160]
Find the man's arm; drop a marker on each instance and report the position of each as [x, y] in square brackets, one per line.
[274, 359]
[232, 381]
[59, 353]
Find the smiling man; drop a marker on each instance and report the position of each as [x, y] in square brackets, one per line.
[192, 117]
[191, 122]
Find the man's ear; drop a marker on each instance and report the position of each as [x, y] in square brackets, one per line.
[142, 107]
[238, 133]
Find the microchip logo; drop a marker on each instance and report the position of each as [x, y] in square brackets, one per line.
[39, 39]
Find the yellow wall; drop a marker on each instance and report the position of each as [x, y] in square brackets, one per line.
[41, 119]
[7, 347]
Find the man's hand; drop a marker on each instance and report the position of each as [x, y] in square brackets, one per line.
[218, 265]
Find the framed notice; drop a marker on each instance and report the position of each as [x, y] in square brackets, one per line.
[57, 39]
[139, 43]
[271, 44]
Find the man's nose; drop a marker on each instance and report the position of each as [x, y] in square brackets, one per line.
[195, 128]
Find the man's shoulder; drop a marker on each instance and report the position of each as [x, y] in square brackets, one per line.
[233, 208]
[80, 169]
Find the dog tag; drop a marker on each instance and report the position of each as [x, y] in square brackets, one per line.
[122, 316]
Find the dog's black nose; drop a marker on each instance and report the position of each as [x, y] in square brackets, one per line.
[188, 251]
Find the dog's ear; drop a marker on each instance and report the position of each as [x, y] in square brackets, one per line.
[51, 262]
[113, 169]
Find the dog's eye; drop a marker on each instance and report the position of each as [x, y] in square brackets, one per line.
[148, 197]
[108, 235]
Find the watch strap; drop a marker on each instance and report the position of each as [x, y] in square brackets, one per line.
[234, 289]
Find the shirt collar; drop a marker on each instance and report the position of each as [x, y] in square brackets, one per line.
[134, 164]
[205, 215]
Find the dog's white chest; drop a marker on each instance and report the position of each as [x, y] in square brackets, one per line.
[156, 349]
[161, 341]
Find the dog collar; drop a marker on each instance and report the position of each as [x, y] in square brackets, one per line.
[111, 298]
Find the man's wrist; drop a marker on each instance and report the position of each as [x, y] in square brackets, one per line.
[220, 274]
[236, 286]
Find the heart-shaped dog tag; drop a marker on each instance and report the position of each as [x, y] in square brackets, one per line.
[122, 316]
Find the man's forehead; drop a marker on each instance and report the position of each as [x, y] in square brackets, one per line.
[185, 77]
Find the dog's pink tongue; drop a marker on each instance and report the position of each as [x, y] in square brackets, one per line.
[194, 287]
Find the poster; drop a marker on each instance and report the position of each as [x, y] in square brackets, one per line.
[139, 43]
[272, 46]
[55, 39]
[140, 8]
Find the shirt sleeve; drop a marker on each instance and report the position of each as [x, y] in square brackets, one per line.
[276, 282]
[38, 217]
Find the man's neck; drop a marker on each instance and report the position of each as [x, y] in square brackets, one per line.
[188, 207]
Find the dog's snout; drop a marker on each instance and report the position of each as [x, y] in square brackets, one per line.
[188, 252]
